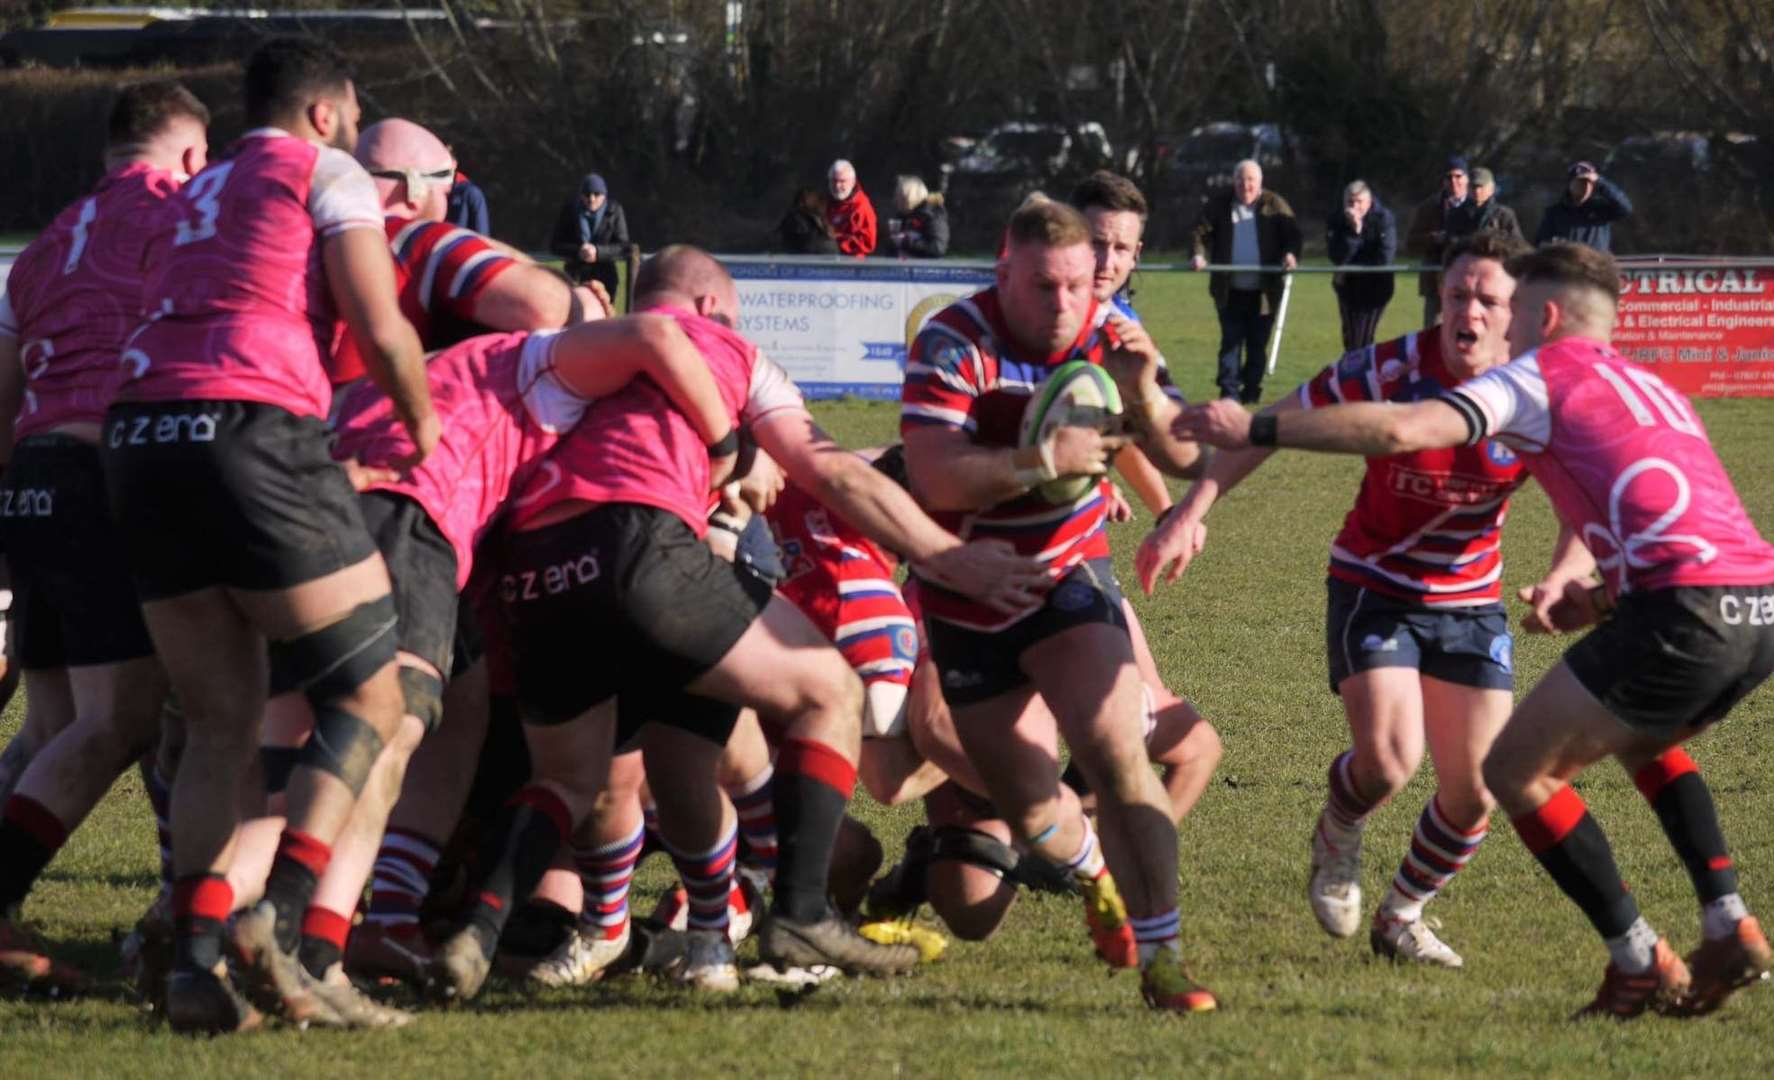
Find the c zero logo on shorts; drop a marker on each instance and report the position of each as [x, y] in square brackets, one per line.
[1754, 610]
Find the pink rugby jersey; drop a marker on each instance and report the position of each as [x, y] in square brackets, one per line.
[237, 300]
[502, 410]
[843, 582]
[439, 272]
[1626, 463]
[963, 372]
[636, 447]
[1427, 527]
[75, 295]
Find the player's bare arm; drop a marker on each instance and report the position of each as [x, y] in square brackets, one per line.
[884, 512]
[528, 297]
[1568, 598]
[360, 273]
[1148, 409]
[1371, 429]
[955, 473]
[1181, 534]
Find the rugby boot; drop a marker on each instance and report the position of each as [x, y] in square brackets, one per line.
[354, 1007]
[459, 967]
[200, 1002]
[1334, 888]
[1106, 915]
[581, 959]
[1722, 967]
[784, 942]
[275, 977]
[147, 954]
[387, 954]
[709, 964]
[929, 943]
[1662, 987]
[1414, 942]
[1166, 985]
[25, 964]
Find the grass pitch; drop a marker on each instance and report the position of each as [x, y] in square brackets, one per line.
[1242, 636]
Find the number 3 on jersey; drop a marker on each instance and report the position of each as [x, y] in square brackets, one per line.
[205, 193]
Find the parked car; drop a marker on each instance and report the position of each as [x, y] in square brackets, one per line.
[1205, 157]
[1011, 160]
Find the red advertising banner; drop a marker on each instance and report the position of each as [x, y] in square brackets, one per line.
[1706, 328]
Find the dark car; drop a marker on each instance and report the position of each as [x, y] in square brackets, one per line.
[999, 171]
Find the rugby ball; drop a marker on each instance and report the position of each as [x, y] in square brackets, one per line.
[1077, 394]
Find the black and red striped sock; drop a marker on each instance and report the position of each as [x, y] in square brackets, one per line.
[323, 939]
[1673, 787]
[527, 835]
[1574, 850]
[200, 907]
[300, 861]
[812, 788]
[29, 838]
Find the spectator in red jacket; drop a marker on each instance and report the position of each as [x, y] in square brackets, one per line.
[851, 213]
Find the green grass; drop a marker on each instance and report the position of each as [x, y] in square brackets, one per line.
[1241, 635]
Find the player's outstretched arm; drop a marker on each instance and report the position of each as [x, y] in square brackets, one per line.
[360, 273]
[989, 572]
[1181, 534]
[596, 359]
[1371, 429]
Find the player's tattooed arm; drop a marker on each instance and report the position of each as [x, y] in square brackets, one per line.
[360, 273]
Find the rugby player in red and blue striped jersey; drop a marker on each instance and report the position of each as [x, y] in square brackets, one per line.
[1416, 635]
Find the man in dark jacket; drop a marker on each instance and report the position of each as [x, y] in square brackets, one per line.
[1439, 220]
[591, 234]
[1245, 226]
[1489, 215]
[1587, 213]
[1364, 234]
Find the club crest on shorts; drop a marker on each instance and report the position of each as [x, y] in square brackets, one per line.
[905, 643]
[1503, 653]
[1376, 643]
[1073, 596]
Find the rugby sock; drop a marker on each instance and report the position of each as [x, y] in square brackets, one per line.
[160, 798]
[1574, 850]
[400, 879]
[1673, 787]
[1439, 848]
[200, 907]
[323, 940]
[29, 838]
[527, 834]
[1635, 950]
[813, 785]
[605, 874]
[300, 861]
[708, 882]
[1158, 934]
[756, 806]
[1719, 918]
[1346, 809]
[1087, 864]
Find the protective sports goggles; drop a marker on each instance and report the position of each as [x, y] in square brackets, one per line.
[418, 183]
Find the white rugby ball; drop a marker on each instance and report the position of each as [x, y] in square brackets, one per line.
[1077, 394]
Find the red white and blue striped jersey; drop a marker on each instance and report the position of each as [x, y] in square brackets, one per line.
[844, 583]
[1426, 526]
[964, 372]
[440, 271]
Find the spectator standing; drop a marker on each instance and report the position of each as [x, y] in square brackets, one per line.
[1364, 234]
[805, 230]
[468, 205]
[851, 214]
[1587, 213]
[921, 229]
[1439, 221]
[1245, 226]
[591, 234]
[1489, 215]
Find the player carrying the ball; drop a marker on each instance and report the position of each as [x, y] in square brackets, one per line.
[1016, 682]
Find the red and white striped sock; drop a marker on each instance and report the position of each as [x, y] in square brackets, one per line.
[1439, 848]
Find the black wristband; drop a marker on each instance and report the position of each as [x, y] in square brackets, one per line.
[1262, 429]
[726, 445]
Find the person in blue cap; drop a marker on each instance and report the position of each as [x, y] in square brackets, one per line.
[591, 235]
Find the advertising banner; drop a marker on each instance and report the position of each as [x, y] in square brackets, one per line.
[1707, 329]
[843, 327]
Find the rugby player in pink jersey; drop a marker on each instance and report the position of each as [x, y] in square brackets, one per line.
[1416, 636]
[95, 689]
[246, 542]
[1064, 664]
[1684, 614]
[610, 535]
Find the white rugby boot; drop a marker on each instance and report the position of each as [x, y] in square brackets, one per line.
[1412, 941]
[1334, 888]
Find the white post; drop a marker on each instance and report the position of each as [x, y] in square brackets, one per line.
[1287, 291]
